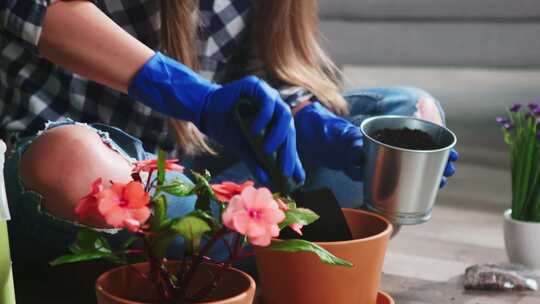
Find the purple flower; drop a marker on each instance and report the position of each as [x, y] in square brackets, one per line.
[501, 120]
[509, 126]
[533, 105]
[536, 111]
[515, 107]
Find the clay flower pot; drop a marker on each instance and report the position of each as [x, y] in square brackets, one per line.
[123, 285]
[302, 278]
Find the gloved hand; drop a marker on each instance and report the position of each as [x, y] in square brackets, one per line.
[450, 169]
[173, 89]
[325, 139]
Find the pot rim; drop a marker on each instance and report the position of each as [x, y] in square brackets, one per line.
[368, 120]
[508, 217]
[383, 296]
[252, 284]
[387, 231]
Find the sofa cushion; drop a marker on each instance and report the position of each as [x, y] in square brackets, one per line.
[437, 43]
[430, 9]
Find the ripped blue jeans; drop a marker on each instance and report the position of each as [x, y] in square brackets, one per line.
[32, 228]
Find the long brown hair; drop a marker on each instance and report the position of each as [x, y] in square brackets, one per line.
[285, 39]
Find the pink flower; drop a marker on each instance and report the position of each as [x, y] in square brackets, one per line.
[124, 205]
[87, 207]
[151, 164]
[225, 191]
[255, 214]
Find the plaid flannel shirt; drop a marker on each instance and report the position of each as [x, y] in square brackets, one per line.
[33, 90]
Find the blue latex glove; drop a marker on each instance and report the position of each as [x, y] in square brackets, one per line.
[450, 168]
[173, 89]
[325, 139]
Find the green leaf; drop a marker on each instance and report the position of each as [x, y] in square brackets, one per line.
[161, 166]
[301, 216]
[208, 218]
[116, 259]
[132, 239]
[159, 217]
[203, 191]
[176, 188]
[79, 257]
[305, 246]
[89, 241]
[191, 228]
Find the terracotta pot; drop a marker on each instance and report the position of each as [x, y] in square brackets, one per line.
[123, 285]
[302, 278]
[384, 298]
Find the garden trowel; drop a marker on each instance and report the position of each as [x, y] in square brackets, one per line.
[331, 226]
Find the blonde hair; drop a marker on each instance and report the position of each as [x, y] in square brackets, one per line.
[285, 39]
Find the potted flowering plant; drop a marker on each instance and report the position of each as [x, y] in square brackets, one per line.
[521, 130]
[236, 215]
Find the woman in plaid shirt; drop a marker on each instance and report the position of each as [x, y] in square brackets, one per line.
[138, 72]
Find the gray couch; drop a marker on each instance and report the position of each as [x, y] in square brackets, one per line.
[433, 32]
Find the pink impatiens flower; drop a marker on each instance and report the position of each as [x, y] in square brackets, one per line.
[255, 214]
[124, 205]
[225, 191]
[87, 208]
[151, 164]
[121, 206]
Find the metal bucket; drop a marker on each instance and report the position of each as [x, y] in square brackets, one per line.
[402, 184]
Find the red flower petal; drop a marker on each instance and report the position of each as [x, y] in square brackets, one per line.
[135, 196]
[225, 191]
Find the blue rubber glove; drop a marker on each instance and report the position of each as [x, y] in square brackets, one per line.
[173, 89]
[450, 168]
[327, 140]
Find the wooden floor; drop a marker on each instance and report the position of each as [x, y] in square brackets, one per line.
[425, 263]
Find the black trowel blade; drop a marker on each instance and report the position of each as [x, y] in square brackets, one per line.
[331, 225]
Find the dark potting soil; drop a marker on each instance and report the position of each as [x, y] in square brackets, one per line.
[406, 138]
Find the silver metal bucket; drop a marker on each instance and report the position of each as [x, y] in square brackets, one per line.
[402, 184]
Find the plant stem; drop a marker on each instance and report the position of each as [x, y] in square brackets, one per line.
[205, 291]
[148, 183]
[155, 272]
[210, 287]
[237, 247]
[200, 257]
